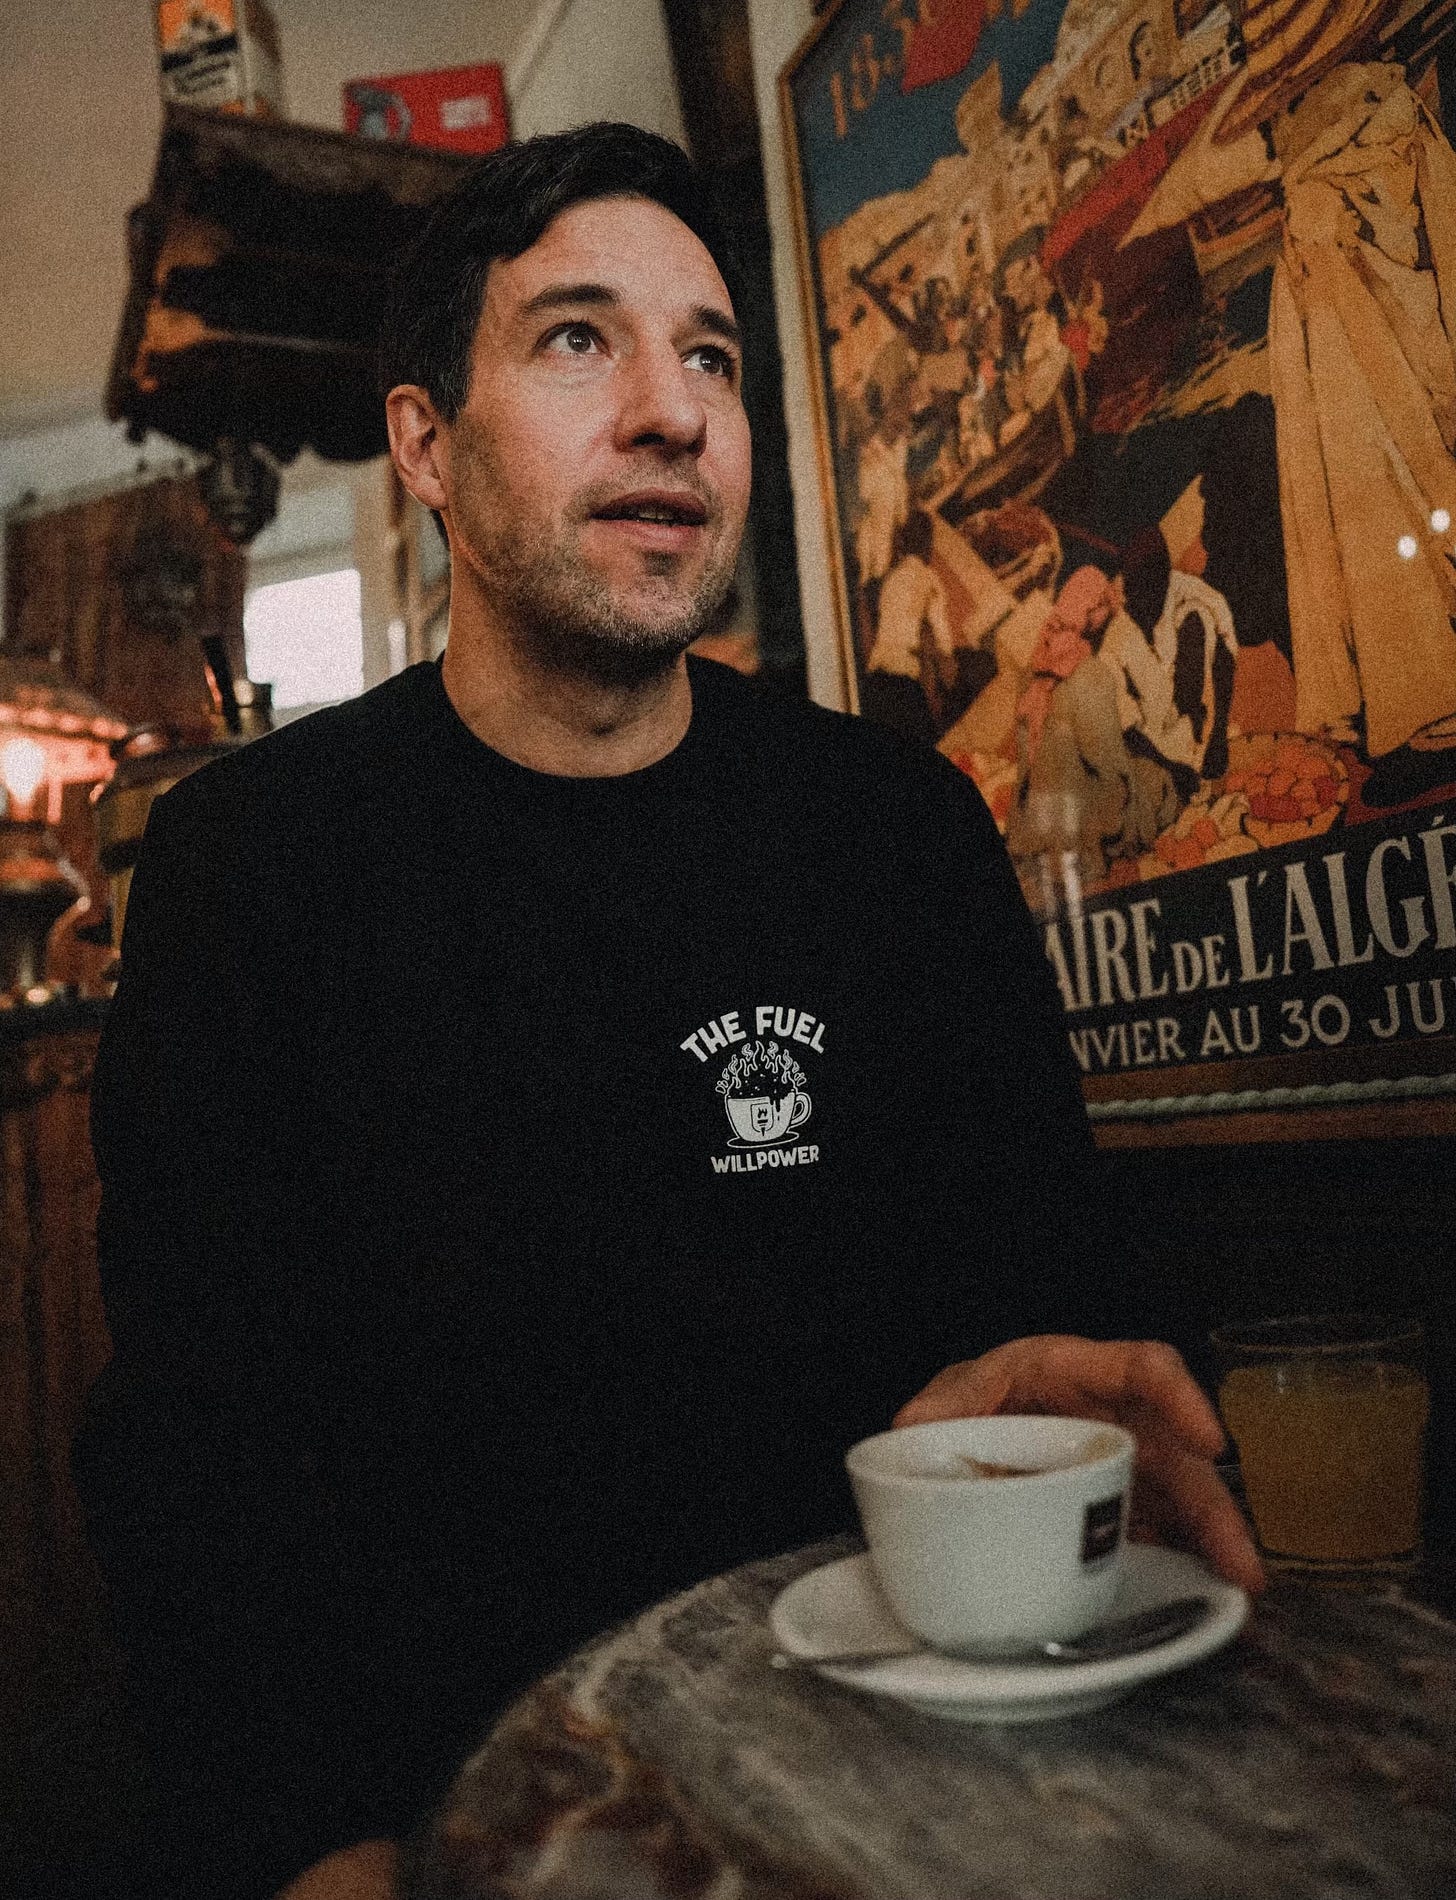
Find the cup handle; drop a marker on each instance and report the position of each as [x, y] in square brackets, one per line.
[802, 1106]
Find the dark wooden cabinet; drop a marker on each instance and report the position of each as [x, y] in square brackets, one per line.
[68, 1765]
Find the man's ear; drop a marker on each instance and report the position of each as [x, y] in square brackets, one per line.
[418, 444]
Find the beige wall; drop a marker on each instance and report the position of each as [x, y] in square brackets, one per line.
[595, 59]
[78, 124]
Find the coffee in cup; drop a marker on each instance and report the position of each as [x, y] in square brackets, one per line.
[990, 1535]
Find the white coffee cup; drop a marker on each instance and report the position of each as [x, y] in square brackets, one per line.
[982, 1565]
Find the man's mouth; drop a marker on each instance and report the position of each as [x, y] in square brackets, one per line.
[663, 507]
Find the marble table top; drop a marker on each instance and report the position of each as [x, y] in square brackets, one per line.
[1313, 1759]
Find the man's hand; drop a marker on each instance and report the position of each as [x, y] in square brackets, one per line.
[1178, 1497]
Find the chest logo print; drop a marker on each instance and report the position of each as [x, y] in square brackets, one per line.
[763, 1087]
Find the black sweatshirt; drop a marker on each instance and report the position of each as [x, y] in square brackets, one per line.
[518, 1191]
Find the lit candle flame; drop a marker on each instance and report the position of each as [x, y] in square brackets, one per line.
[22, 770]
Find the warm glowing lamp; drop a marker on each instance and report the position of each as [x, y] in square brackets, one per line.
[51, 734]
[22, 772]
[37, 885]
[74, 730]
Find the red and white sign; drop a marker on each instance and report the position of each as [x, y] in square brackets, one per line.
[461, 109]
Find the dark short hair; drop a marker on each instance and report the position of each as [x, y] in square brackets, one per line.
[498, 210]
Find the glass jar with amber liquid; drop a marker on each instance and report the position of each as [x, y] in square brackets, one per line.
[1328, 1415]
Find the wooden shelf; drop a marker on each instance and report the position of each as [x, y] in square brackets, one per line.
[258, 271]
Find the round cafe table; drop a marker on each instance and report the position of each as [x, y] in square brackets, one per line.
[1314, 1758]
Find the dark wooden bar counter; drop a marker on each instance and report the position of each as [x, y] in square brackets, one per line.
[1313, 1759]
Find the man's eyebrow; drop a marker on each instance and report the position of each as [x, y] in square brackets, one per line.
[559, 296]
[708, 317]
[705, 316]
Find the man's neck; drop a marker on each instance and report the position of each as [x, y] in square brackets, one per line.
[558, 722]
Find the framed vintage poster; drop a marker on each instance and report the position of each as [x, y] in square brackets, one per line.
[1135, 327]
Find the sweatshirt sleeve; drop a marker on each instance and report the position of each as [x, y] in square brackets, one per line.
[249, 1623]
[197, 1101]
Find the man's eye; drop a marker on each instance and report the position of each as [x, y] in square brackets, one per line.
[717, 362]
[574, 339]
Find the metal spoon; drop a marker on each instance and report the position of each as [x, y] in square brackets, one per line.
[1123, 1637]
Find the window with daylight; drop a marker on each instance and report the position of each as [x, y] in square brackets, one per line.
[306, 637]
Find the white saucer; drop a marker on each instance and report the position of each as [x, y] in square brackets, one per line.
[840, 1606]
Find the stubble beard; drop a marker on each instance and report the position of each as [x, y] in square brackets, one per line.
[564, 617]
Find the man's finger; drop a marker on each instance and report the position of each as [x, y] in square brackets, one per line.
[1186, 1494]
[974, 1388]
[1157, 1374]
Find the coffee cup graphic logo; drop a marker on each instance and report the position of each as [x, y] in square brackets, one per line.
[764, 1095]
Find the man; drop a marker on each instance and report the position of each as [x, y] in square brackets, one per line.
[530, 1153]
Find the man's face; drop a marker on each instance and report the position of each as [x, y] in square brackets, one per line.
[598, 472]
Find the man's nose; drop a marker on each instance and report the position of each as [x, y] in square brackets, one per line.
[660, 406]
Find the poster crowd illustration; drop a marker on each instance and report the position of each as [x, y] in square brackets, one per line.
[1137, 323]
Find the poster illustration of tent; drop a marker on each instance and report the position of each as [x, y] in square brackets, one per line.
[1135, 325]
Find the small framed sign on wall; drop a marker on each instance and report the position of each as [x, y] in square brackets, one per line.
[1135, 364]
